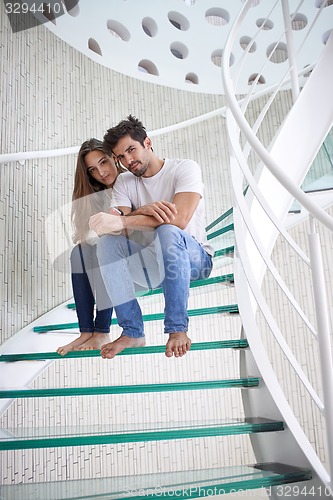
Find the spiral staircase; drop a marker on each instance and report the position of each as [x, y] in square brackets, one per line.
[266, 180]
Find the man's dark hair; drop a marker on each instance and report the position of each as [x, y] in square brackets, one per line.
[131, 126]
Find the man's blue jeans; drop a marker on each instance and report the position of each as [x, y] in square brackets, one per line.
[172, 261]
[87, 284]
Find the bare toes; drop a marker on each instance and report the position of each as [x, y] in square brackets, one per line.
[177, 345]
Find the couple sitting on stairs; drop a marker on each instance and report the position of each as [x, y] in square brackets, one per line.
[155, 237]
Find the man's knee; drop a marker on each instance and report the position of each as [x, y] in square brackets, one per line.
[167, 232]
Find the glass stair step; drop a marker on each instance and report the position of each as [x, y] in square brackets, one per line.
[154, 349]
[227, 215]
[50, 437]
[187, 484]
[226, 278]
[225, 251]
[126, 389]
[219, 232]
[231, 308]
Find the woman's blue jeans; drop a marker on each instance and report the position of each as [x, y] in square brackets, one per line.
[88, 286]
[172, 260]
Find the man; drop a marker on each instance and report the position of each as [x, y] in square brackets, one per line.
[163, 215]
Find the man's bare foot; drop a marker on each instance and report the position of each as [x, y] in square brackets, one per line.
[72, 345]
[177, 345]
[94, 342]
[111, 349]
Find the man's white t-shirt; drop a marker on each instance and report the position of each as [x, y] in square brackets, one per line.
[176, 176]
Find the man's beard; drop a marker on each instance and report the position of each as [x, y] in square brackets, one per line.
[139, 172]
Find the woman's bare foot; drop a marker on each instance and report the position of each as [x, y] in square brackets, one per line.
[177, 345]
[94, 342]
[111, 349]
[72, 345]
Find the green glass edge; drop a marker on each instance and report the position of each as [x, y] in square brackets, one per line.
[226, 278]
[220, 219]
[224, 251]
[154, 349]
[132, 437]
[254, 484]
[146, 317]
[126, 389]
[205, 282]
[205, 490]
[223, 230]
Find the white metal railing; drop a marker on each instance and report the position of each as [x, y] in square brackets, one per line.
[22, 156]
[259, 220]
[52, 153]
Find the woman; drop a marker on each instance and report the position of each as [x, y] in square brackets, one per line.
[95, 174]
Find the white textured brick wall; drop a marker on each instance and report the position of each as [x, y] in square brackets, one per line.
[53, 97]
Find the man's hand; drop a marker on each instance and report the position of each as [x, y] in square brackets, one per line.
[162, 211]
[103, 223]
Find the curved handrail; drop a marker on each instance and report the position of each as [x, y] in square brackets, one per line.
[267, 372]
[52, 153]
[250, 227]
[30, 155]
[248, 283]
[257, 146]
[33, 155]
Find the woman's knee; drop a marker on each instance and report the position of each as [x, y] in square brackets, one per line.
[82, 257]
[76, 259]
[110, 246]
[75, 253]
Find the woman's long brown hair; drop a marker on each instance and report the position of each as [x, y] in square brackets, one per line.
[87, 197]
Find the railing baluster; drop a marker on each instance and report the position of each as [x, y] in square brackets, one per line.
[323, 329]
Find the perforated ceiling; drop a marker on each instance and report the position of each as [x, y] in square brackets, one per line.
[179, 43]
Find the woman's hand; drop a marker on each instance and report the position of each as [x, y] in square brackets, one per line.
[103, 223]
